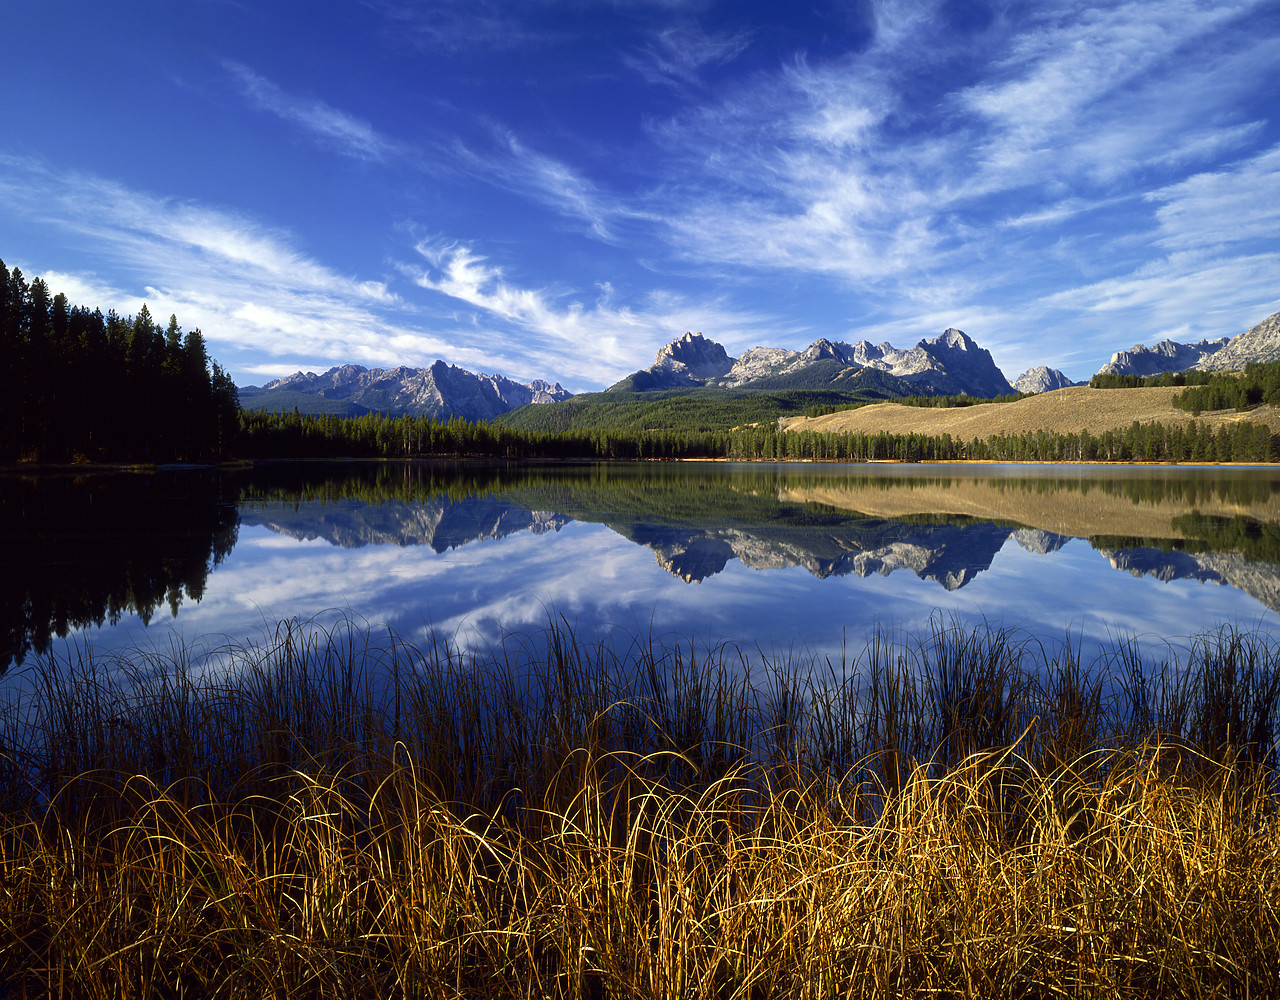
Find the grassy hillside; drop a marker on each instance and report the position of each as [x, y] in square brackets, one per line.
[1064, 411]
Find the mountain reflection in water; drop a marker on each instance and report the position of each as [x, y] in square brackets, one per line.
[81, 551]
[1221, 528]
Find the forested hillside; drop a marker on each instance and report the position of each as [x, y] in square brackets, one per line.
[78, 385]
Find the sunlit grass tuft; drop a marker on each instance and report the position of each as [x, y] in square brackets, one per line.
[333, 813]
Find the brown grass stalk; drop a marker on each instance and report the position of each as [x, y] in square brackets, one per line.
[983, 819]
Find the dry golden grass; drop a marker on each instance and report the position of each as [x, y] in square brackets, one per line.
[964, 819]
[1063, 411]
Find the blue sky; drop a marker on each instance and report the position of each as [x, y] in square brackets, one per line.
[555, 188]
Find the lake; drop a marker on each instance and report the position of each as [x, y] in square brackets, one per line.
[786, 558]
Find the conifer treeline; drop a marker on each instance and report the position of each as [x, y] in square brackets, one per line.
[77, 384]
[294, 435]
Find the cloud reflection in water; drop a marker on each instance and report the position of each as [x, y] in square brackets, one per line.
[714, 556]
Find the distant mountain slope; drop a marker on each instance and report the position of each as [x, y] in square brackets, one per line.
[1258, 343]
[441, 391]
[949, 364]
[1165, 356]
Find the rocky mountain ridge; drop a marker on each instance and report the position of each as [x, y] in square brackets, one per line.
[1165, 356]
[440, 391]
[1260, 343]
[949, 364]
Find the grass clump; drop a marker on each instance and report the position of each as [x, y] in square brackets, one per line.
[334, 812]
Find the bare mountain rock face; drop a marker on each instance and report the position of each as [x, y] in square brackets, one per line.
[1258, 343]
[1165, 356]
[1042, 379]
[950, 363]
[441, 391]
[695, 356]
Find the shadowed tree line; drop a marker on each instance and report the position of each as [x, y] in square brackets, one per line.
[79, 385]
[80, 551]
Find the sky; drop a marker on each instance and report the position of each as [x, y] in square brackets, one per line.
[556, 188]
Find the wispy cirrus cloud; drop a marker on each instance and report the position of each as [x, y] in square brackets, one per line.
[511, 164]
[1216, 275]
[555, 325]
[247, 286]
[1235, 204]
[253, 292]
[1091, 96]
[333, 128]
[677, 54]
[456, 25]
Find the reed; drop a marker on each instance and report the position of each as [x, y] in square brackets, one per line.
[335, 812]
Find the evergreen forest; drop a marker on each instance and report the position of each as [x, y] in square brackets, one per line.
[76, 385]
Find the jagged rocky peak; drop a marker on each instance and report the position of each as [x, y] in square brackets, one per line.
[951, 337]
[951, 363]
[823, 348]
[336, 376]
[548, 392]
[1259, 343]
[757, 363]
[696, 355]
[1042, 379]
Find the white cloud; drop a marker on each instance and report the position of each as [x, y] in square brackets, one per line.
[677, 54]
[336, 129]
[274, 371]
[1238, 203]
[516, 167]
[252, 292]
[555, 325]
[247, 287]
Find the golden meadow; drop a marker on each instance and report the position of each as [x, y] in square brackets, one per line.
[332, 812]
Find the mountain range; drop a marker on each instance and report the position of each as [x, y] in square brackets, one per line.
[948, 364]
[440, 392]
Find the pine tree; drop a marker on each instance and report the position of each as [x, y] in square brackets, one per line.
[9, 359]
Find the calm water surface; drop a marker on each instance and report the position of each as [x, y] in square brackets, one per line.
[806, 558]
